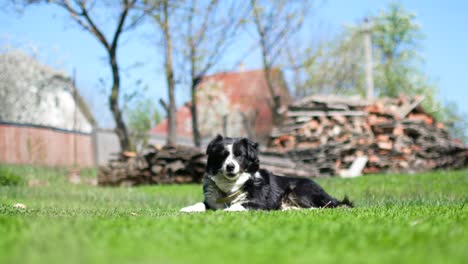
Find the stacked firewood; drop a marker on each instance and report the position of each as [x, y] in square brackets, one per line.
[325, 135]
[169, 164]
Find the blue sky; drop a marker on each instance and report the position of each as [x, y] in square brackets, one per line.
[58, 42]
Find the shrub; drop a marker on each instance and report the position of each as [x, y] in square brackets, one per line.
[9, 178]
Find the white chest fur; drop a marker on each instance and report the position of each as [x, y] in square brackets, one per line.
[218, 187]
[230, 186]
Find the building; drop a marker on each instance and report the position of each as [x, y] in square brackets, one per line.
[231, 103]
[43, 119]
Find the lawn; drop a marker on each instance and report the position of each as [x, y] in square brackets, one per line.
[398, 219]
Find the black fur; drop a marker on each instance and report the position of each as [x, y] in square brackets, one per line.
[246, 153]
[269, 192]
[216, 154]
[266, 191]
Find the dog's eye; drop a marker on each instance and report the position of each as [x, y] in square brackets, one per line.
[237, 153]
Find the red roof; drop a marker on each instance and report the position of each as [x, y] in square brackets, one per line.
[247, 91]
[184, 123]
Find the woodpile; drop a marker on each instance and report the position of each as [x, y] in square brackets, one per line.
[169, 164]
[323, 136]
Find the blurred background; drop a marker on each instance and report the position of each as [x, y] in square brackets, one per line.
[85, 82]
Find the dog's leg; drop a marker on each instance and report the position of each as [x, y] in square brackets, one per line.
[289, 208]
[198, 207]
[235, 208]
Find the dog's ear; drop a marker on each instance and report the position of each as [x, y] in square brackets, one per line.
[212, 143]
[252, 154]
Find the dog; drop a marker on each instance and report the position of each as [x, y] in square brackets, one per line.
[233, 181]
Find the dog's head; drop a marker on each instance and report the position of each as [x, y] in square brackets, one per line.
[231, 157]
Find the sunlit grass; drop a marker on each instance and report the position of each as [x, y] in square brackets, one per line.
[399, 218]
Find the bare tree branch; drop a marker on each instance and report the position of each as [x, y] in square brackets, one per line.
[80, 12]
[275, 22]
[208, 33]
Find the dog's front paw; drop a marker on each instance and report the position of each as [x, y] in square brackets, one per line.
[235, 208]
[198, 207]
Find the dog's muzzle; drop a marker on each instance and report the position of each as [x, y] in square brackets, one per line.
[230, 168]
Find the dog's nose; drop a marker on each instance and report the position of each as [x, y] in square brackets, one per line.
[230, 167]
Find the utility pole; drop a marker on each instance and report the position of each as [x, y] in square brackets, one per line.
[75, 112]
[369, 65]
[74, 172]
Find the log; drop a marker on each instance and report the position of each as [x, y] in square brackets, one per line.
[325, 113]
[169, 164]
[328, 133]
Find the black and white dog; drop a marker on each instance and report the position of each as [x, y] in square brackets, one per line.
[234, 182]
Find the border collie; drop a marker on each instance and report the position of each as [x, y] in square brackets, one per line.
[234, 182]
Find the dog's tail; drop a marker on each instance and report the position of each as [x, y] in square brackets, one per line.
[346, 202]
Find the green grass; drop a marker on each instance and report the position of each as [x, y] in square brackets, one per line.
[8, 177]
[398, 219]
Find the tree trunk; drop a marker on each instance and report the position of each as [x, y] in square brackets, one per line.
[193, 109]
[80, 12]
[120, 128]
[275, 98]
[171, 138]
[275, 103]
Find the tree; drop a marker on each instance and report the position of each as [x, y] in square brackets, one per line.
[159, 11]
[397, 38]
[274, 22]
[140, 119]
[208, 31]
[456, 121]
[128, 17]
[337, 65]
[331, 67]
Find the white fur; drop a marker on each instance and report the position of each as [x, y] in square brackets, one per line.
[231, 160]
[228, 185]
[257, 175]
[240, 199]
[235, 208]
[212, 193]
[289, 208]
[198, 207]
